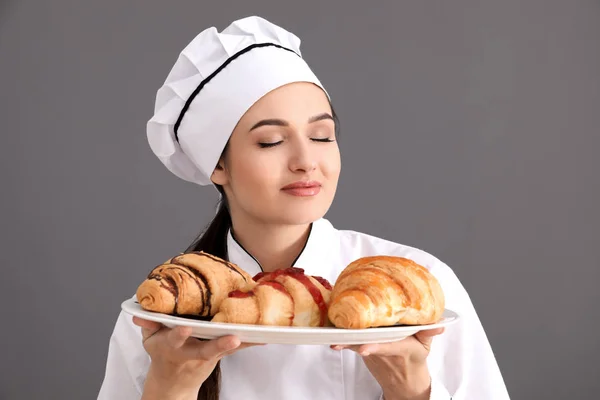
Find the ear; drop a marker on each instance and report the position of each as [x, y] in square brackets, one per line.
[219, 175]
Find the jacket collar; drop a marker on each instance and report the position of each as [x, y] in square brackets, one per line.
[314, 258]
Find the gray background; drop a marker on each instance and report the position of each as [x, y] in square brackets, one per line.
[469, 129]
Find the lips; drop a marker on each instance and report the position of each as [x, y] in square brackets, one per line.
[302, 185]
[303, 188]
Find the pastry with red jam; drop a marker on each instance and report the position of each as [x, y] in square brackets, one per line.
[285, 297]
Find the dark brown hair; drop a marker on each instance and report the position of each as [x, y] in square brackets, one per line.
[214, 241]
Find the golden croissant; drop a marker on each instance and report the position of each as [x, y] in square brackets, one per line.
[191, 284]
[285, 297]
[384, 291]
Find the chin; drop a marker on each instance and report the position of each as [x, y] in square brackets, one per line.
[301, 214]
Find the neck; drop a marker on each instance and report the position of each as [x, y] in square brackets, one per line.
[273, 246]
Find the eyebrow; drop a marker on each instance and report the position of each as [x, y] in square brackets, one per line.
[281, 122]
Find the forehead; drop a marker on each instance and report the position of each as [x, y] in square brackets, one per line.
[294, 102]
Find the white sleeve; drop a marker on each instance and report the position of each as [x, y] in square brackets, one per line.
[127, 362]
[438, 391]
[462, 363]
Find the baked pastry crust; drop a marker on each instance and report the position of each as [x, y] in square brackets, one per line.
[191, 284]
[384, 291]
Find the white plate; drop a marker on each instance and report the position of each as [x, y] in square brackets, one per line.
[286, 334]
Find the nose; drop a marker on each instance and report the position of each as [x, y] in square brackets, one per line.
[302, 159]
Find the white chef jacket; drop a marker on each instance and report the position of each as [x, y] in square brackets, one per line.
[461, 362]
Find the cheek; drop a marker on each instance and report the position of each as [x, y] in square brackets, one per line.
[254, 174]
[331, 164]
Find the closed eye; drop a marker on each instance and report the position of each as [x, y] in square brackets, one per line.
[326, 140]
[265, 145]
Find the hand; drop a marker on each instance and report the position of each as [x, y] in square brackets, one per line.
[180, 363]
[400, 367]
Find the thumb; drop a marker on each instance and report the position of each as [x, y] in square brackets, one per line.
[214, 349]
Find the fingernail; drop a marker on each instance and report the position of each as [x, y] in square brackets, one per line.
[364, 353]
[337, 347]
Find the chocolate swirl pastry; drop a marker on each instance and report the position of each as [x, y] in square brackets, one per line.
[384, 291]
[191, 284]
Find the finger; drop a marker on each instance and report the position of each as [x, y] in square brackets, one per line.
[178, 336]
[246, 345]
[241, 347]
[431, 332]
[428, 335]
[212, 349]
[144, 323]
[345, 347]
[399, 347]
[149, 328]
[366, 350]
[383, 349]
[391, 348]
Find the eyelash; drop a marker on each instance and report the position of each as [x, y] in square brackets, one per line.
[266, 145]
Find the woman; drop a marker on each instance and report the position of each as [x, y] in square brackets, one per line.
[241, 110]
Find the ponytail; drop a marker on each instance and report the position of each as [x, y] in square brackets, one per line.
[214, 241]
[214, 238]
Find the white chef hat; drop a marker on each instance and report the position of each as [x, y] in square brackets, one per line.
[215, 80]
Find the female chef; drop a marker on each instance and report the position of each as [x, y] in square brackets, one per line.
[241, 110]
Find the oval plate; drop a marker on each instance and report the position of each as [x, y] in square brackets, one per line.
[287, 334]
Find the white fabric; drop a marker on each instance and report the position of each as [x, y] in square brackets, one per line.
[214, 112]
[461, 362]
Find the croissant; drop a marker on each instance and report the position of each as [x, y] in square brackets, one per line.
[191, 284]
[285, 297]
[384, 291]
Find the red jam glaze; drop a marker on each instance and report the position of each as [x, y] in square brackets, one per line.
[298, 274]
[259, 276]
[275, 285]
[240, 295]
[323, 282]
